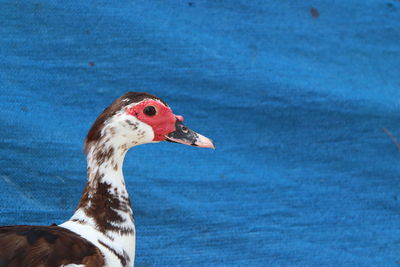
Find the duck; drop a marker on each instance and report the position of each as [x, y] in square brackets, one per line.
[101, 231]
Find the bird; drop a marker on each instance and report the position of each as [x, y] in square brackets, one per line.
[101, 231]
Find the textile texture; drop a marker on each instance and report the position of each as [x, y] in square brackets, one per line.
[301, 98]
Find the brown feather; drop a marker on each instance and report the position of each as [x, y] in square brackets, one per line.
[45, 246]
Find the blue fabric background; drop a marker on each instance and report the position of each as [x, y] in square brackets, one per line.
[303, 174]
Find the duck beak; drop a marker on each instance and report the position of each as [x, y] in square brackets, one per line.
[189, 137]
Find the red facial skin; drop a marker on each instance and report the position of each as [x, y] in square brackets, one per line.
[163, 122]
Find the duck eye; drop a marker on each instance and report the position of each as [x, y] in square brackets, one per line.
[150, 111]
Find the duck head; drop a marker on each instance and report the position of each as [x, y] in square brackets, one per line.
[139, 118]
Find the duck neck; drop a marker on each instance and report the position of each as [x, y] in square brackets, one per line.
[105, 201]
